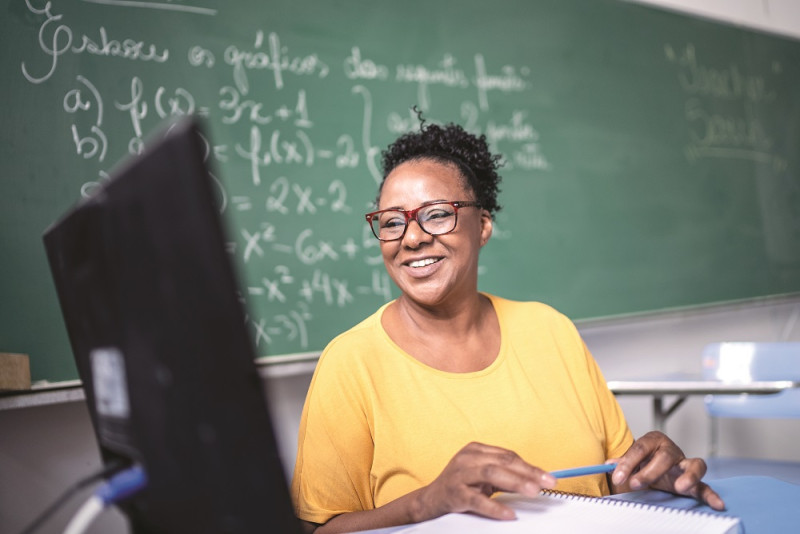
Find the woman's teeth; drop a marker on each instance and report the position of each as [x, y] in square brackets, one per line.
[423, 263]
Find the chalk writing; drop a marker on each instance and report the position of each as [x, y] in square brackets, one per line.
[727, 82]
[510, 79]
[445, 73]
[199, 56]
[295, 181]
[56, 40]
[75, 100]
[526, 152]
[371, 152]
[332, 290]
[165, 6]
[292, 325]
[255, 112]
[95, 144]
[276, 59]
[719, 109]
[358, 68]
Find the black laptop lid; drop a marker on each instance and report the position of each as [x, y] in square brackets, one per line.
[158, 332]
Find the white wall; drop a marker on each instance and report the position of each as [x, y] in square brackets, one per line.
[43, 450]
[776, 16]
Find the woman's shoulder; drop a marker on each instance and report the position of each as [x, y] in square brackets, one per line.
[357, 341]
[532, 318]
[525, 309]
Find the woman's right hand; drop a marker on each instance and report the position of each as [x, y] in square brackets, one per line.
[465, 485]
[472, 476]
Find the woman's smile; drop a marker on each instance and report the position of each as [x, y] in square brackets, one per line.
[424, 267]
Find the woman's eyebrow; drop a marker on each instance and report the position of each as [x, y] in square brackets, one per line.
[426, 203]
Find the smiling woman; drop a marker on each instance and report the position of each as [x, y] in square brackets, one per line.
[436, 272]
[407, 417]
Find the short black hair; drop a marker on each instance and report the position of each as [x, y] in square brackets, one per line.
[450, 144]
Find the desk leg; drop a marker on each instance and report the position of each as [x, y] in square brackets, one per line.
[660, 414]
[659, 417]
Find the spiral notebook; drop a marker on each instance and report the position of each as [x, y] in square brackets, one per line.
[566, 512]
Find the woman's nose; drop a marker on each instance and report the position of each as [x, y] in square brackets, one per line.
[415, 234]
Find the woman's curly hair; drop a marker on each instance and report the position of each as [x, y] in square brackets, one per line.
[450, 144]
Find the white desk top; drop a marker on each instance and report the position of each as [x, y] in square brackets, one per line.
[697, 387]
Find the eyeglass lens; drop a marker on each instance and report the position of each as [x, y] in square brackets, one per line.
[434, 219]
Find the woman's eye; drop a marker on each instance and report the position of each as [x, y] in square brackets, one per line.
[393, 222]
[437, 214]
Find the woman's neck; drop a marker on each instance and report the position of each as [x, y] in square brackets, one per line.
[463, 337]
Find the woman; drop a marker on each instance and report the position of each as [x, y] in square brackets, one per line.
[447, 395]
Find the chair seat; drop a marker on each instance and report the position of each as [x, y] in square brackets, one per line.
[739, 363]
[747, 362]
[778, 406]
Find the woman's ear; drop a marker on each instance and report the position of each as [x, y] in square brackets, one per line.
[486, 226]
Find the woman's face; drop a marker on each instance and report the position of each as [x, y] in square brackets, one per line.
[433, 270]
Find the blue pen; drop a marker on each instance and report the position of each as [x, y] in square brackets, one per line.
[581, 471]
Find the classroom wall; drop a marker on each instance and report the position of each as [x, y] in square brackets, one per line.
[44, 449]
[776, 16]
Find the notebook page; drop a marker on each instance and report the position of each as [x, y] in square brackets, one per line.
[570, 513]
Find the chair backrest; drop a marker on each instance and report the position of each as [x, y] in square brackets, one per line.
[747, 362]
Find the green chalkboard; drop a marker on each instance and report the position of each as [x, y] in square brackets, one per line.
[651, 158]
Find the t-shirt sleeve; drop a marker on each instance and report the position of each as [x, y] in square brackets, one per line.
[617, 433]
[608, 419]
[334, 455]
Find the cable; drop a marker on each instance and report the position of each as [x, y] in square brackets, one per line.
[122, 485]
[106, 471]
[85, 515]
[119, 487]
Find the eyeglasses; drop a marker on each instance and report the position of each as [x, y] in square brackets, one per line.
[436, 218]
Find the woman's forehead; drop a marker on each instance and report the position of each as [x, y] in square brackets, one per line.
[423, 177]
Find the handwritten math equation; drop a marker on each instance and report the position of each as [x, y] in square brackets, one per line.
[287, 176]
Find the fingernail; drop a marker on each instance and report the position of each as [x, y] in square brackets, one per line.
[618, 477]
[635, 484]
[530, 489]
[548, 480]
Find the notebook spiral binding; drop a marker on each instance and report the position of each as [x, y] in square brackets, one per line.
[625, 504]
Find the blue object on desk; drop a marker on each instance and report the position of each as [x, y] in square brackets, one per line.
[581, 471]
[764, 504]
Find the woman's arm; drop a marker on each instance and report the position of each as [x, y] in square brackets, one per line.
[397, 512]
[655, 461]
[465, 485]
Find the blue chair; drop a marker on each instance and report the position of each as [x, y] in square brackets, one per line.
[751, 362]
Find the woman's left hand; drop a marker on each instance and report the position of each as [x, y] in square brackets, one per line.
[655, 461]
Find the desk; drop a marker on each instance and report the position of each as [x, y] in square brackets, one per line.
[764, 504]
[658, 389]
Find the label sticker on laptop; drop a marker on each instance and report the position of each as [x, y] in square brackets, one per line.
[110, 384]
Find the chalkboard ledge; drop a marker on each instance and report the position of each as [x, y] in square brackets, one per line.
[287, 364]
[42, 394]
[47, 393]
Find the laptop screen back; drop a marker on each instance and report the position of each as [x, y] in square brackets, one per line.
[157, 328]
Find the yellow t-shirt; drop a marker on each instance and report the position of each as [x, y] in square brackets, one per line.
[378, 424]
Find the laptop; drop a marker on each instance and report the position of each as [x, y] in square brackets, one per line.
[157, 328]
